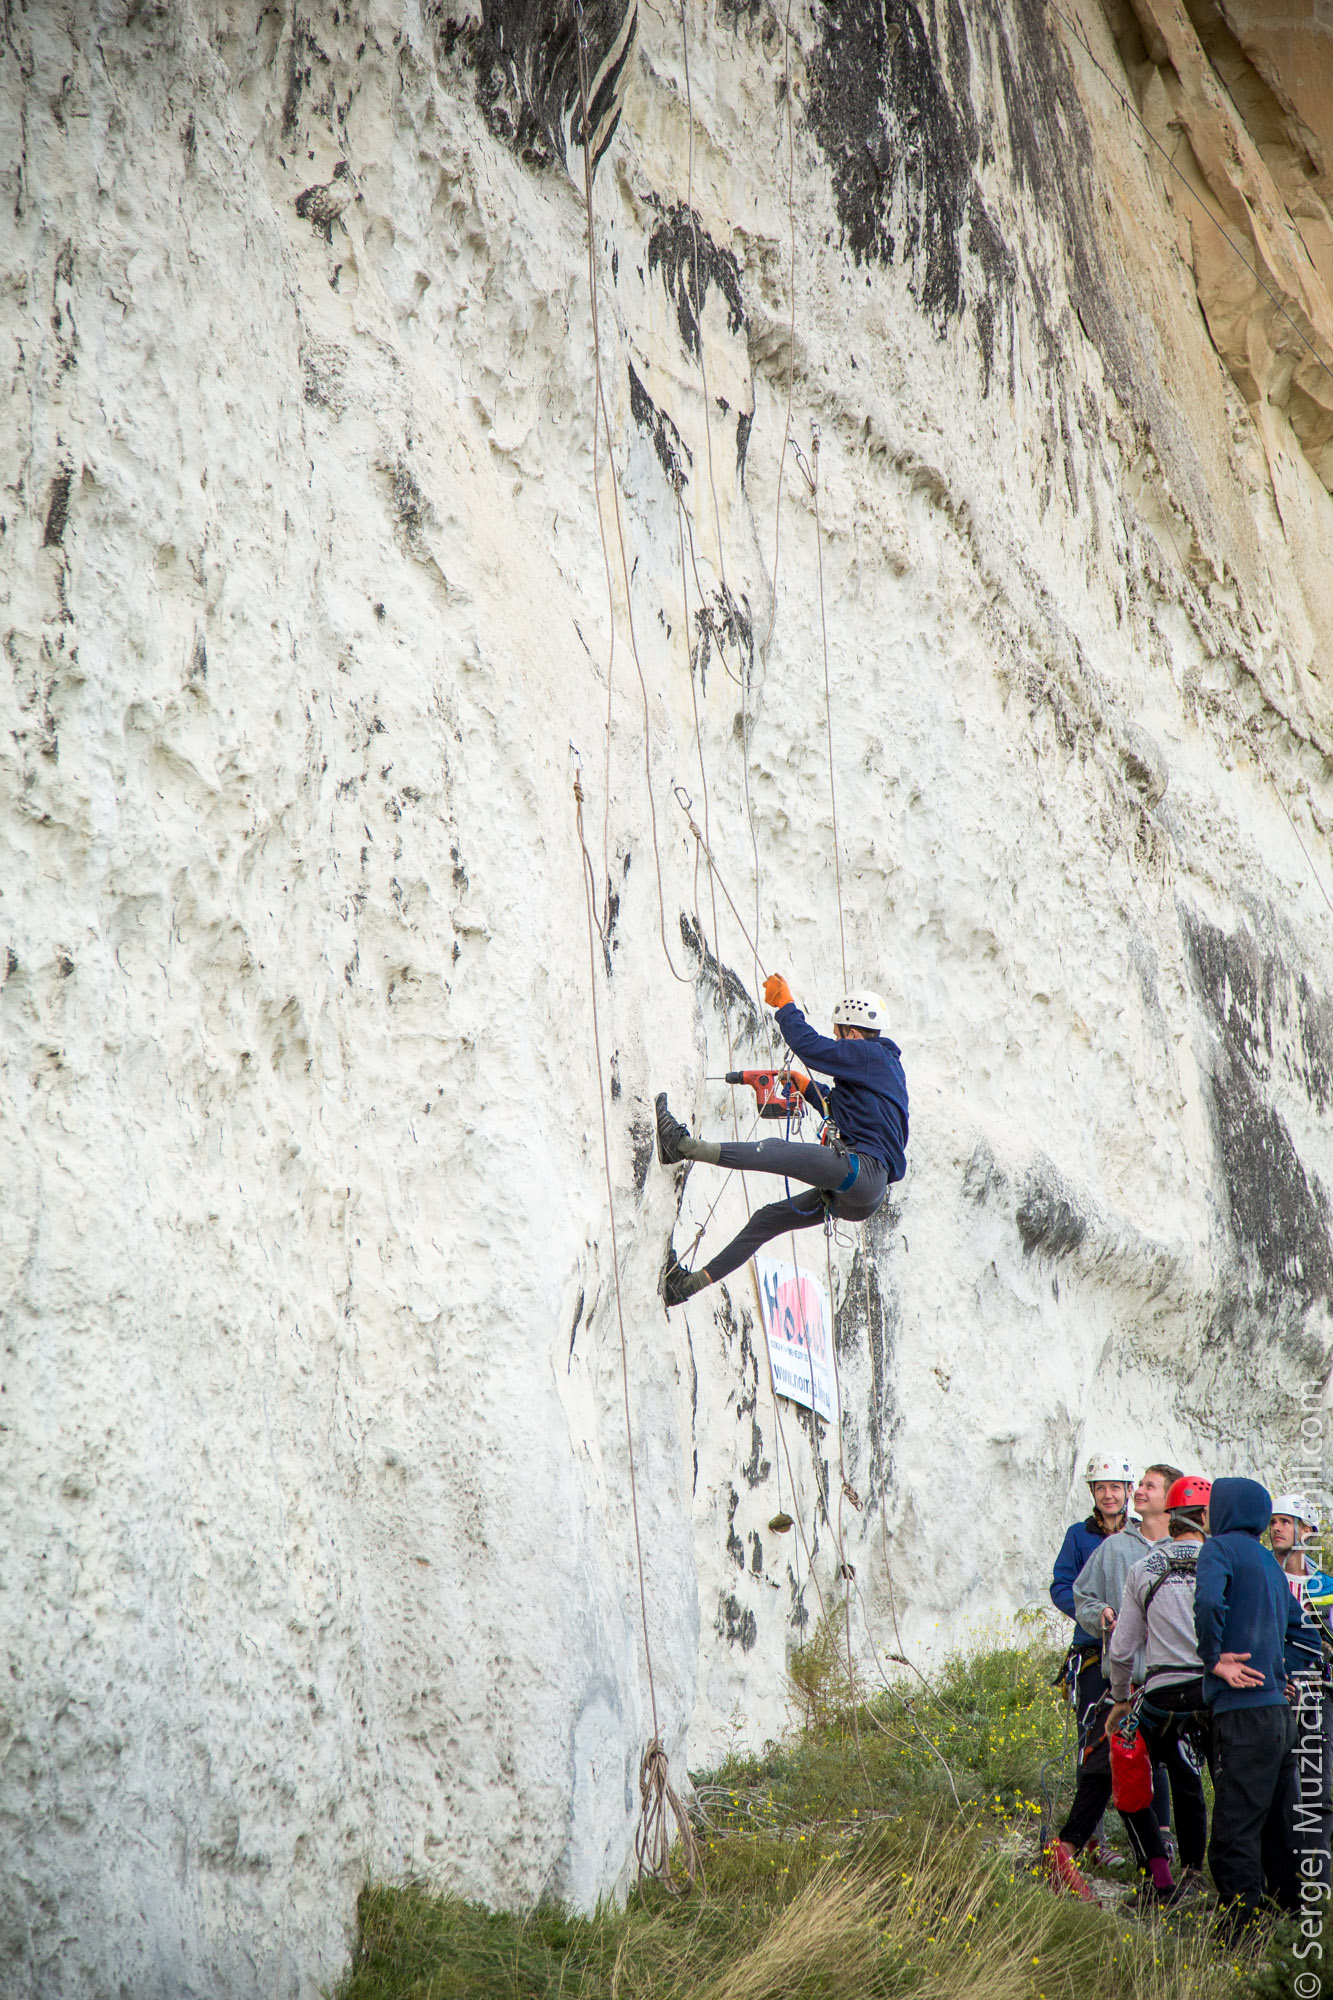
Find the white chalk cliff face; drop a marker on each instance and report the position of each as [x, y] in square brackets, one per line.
[318, 1553]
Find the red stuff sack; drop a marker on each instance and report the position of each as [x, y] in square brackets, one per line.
[1131, 1771]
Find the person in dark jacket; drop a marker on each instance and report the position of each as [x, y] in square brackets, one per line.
[1253, 1637]
[1109, 1477]
[1110, 1480]
[1100, 1585]
[865, 1140]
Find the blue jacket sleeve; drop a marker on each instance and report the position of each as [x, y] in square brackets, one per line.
[1301, 1651]
[815, 1094]
[846, 1062]
[1067, 1567]
[1211, 1577]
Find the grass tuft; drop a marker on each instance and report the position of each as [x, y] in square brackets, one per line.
[841, 1872]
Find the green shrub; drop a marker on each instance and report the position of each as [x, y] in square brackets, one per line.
[840, 1866]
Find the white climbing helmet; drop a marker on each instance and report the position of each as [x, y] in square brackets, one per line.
[1108, 1465]
[1300, 1510]
[861, 1010]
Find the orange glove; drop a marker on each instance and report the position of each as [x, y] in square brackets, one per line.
[776, 990]
[800, 1079]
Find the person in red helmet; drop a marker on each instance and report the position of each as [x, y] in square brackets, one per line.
[1156, 1623]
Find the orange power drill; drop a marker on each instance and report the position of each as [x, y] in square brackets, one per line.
[775, 1093]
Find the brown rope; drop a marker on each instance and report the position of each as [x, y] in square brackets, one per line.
[684, 802]
[811, 474]
[600, 408]
[652, 1846]
[791, 330]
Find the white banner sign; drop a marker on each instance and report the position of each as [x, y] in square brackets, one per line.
[799, 1331]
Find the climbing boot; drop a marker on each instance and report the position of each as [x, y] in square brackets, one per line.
[1064, 1874]
[678, 1284]
[670, 1133]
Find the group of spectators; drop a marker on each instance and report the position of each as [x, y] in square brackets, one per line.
[1192, 1635]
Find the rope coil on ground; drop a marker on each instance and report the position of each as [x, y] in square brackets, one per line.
[663, 1821]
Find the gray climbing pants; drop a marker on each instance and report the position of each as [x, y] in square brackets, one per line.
[821, 1168]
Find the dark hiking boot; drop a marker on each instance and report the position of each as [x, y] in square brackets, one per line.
[678, 1284]
[670, 1133]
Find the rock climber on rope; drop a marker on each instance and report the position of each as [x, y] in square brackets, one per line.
[863, 1144]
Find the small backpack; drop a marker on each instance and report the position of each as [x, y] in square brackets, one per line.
[1131, 1768]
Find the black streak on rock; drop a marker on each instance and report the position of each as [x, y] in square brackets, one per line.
[528, 72]
[57, 509]
[689, 261]
[735, 1546]
[756, 1467]
[723, 622]
[882, 111]
[865, 1306]
[668, 443]
[730, 990]
[743, 424]
[1269, 1024]
[1047, 1217]
[641, 1139]
[736, 1626]
[891, 107]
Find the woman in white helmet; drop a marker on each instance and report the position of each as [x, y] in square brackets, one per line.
[1109, 1478]
[865, 1138]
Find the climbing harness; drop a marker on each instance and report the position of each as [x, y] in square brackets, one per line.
[774, 1096]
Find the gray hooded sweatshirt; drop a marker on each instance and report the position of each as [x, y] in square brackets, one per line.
[1101, 1581]
[1159, 1636]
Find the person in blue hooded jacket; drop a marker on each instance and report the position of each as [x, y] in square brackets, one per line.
[865, 1141]
[1253, 1637]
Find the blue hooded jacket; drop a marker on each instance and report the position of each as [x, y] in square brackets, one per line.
[868, 1102]
[1079, 1542]
[1242, 1601]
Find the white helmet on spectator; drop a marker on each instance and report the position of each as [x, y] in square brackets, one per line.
[1300, 1510]
[1109, 1465]
[861, 1010]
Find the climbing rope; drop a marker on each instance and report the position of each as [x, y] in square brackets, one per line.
[600, 408]
[811, 475]
[791, 329]
[703, 839]
[744, 676]
[685, 803]
[663, 1821]
[660, 1807]
[1267, 770]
